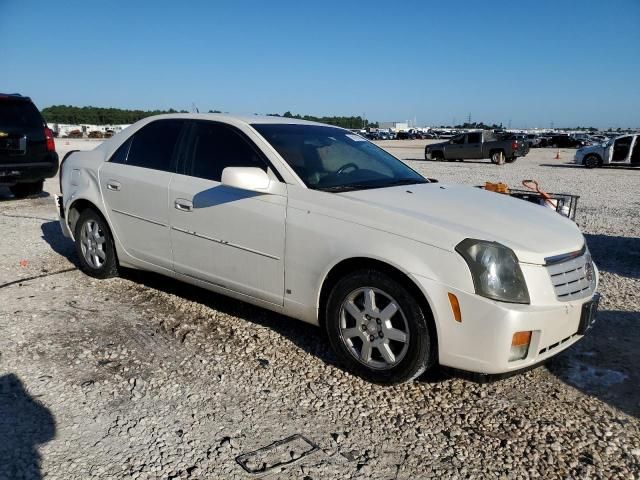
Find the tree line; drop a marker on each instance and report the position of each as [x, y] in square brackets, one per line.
[339, 121]
[70, 114]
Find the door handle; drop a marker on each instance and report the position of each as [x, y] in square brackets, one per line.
[183, 205]
[113, 185]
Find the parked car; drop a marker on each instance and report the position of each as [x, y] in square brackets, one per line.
[27, 149]
[319, 224]
[564, 141]
[533, 140]
[481, 144]
[623, 150]
[402, 135]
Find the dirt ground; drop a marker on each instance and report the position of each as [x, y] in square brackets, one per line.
[144, 377]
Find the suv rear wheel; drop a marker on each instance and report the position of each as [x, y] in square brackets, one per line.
[23, 190]
[378, 329]
[94, 245]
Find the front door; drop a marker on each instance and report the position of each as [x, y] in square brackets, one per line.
[472, 147]
[228, 237]
[621, 149]
[135, 187]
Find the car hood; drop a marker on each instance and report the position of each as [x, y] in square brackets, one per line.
[591, 149]
[444, 215]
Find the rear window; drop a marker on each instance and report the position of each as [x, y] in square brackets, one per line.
[16, 113]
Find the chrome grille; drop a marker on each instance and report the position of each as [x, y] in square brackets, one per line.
[574, 278]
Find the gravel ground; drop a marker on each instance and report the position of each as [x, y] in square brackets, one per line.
[144, 377]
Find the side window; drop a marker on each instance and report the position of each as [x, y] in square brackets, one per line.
[474, 137]
[459, 140]
[153, 145]
[216, 146]
[120, 155]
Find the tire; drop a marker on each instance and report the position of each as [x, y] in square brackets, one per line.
[92, 234]
[591, 161]
[498, 157]
[437, 156]
[24, 190]
[404, 357]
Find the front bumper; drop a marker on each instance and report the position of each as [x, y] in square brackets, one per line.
[481, 342]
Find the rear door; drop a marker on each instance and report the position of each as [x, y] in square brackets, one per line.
[135, 187]
[229, 237]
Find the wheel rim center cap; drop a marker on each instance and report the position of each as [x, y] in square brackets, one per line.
[372, 327]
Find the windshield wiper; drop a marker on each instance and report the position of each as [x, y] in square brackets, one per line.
[346, 188]
[407, 181]
[367, 186]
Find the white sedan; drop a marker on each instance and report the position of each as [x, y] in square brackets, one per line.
[319, 224]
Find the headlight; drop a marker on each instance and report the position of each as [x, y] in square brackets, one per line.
[495, 270]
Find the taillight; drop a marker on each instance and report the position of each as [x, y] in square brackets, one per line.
[514, 145]
[48, 134]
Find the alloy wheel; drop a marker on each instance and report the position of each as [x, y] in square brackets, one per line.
[374, 328]
[92, 244]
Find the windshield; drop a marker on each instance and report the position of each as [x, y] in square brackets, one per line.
[333, 159]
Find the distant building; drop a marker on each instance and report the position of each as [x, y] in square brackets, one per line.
[395, 126]
[64, 129]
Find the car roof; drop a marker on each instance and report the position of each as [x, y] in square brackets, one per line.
[15, 96]
[229, 118]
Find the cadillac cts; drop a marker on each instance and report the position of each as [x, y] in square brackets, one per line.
[318, 223]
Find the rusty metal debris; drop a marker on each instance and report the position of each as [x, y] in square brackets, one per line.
[280, 453]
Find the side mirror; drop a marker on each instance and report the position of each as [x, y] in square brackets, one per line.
[246, 178]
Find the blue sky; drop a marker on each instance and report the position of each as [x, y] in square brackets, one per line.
[530, 63]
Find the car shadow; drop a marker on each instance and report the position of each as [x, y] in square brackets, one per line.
[486, 162]
[604, 363]
[52, 234]
[24, 425]
[307, 337]
[618, 255]
[6, 195]
[575, 165]
[219, 195]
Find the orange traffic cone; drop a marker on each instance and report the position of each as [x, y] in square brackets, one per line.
[557, 157]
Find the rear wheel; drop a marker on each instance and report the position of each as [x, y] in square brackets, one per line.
[378, 329]
[94, 245]
[23, 190]
[497, 157]
[591, 161]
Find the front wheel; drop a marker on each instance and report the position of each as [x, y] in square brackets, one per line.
[378, 329]
[94, 245]
[591, 161]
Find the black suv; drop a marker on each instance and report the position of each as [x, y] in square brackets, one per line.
[27, 150]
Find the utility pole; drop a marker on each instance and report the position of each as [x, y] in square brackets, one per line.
[469, 119]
